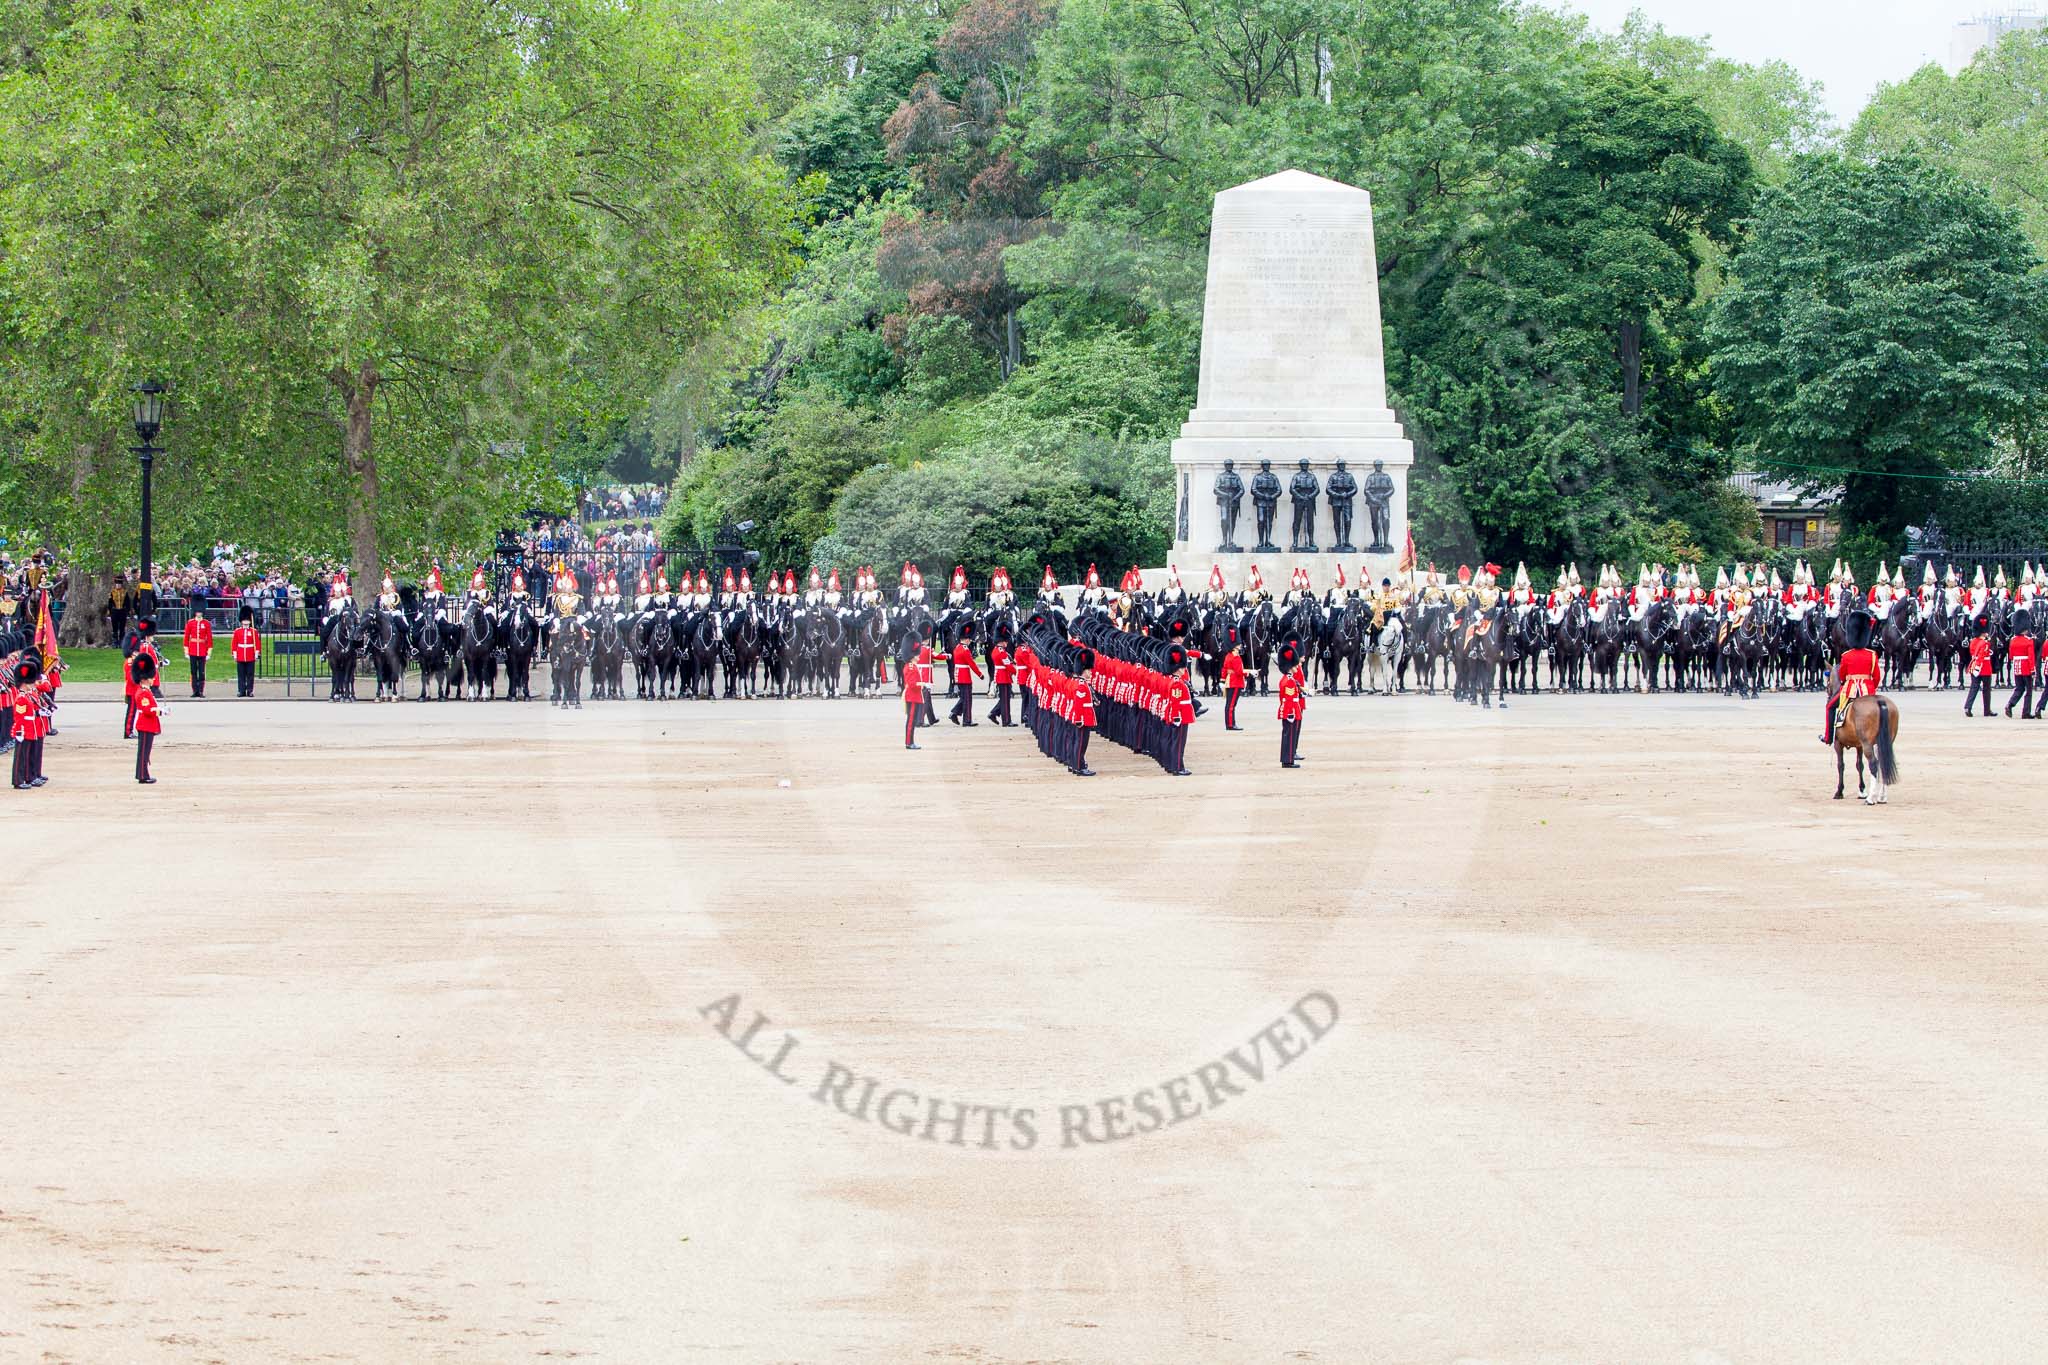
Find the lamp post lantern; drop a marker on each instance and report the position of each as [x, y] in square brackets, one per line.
[149, 420]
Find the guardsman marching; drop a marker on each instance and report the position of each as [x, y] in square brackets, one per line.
[2020, 654]
[1233, 683]
[1980, 664]
[149, 714]
[1180, 717]
[1293, 704]
[916, 678]
[28, 722]
[1003, 674]
[246, 646]
[965, 671]
[1081, 715]
[198, 645]
[145, 646]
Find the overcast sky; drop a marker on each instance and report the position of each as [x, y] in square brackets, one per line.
[1848, 45]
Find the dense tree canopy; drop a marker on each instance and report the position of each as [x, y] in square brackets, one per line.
[393, 261]
[1877, 321]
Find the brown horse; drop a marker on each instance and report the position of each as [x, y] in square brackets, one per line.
[1868, 726]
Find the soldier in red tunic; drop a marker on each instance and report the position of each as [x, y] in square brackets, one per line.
[1859, 674]
[965, 671]
[28, 723]
[1003, 678]
[916, 678]
[198, 644]
[245, 645]
[149, 718]
[145, 647]
[1233, 685]
[1180, 715]
[1293, 702]
[1980, 665]
[1082, 716]
[2020, 654]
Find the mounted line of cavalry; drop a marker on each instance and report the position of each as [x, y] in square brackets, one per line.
[1425, 632]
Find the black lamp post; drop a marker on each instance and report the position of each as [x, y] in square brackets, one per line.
[149, 420]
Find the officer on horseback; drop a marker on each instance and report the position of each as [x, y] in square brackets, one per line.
[1858, 674]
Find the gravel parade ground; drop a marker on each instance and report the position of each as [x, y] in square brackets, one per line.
[1586, 1030]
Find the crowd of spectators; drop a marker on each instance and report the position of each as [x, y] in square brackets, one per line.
[626, 502]
[291, 594]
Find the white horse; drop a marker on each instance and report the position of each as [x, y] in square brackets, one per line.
[1384, 651]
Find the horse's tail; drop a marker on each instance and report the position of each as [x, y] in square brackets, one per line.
[1887, 760]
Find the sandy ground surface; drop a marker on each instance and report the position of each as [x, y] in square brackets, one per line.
[393, 1033]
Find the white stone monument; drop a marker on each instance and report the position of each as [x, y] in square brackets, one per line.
[1293, 368]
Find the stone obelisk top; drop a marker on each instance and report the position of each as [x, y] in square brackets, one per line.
[1291, 318]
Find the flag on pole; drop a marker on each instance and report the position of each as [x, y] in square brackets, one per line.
[1407, 564]
[46, 632]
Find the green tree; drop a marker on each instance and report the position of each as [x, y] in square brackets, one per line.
[1770, 111]
[1876, 320]
[1988, 123]
[371, 246]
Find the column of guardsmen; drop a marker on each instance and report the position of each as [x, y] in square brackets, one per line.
[1133, 689]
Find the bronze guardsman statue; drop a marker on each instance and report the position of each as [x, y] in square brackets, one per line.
[1229, 498]
[1379, 505]
[1302, 488]
[1265, 501]
[1341, 489]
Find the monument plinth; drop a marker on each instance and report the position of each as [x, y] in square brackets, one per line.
[1293, 370]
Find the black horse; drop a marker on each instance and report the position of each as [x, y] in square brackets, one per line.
[341, 643]
[568, 650]
[479, 650]
[519, 637]
[434, 646]
[607, 659]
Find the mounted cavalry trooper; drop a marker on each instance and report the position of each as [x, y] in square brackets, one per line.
[1740, 599]
[1049, 587]
[746, 584]
[1560, 597]
[917, 589]
[1339, 592]
[1973, 597]
[338, 598]
[1092, 591]
[1880, 595]
[1255, 586]
[1642, 594]
[2029, 586]
[1461, 592]
[437, 596]
[814, 594]
[957, 592]
[2000, 589]
[1000, 593]
[479, 590]
[517, 595]
[1173, 593]
[1219, 595]
[832, 594]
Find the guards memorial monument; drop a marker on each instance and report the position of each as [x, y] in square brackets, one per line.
[1293, 394]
